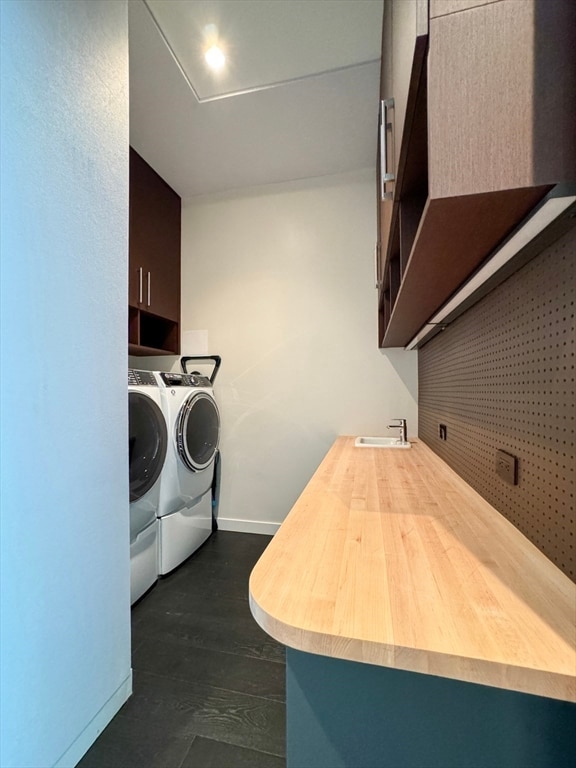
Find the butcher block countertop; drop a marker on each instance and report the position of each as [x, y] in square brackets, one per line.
[388, 557]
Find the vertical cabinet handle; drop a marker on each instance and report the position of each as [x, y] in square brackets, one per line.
[149, 290]
[140, 279]
[385, 126]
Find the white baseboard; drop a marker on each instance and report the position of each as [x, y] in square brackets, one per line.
[247, 526]
[84, 741]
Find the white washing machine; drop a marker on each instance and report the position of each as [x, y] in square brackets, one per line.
[147, 448]
[185, 507]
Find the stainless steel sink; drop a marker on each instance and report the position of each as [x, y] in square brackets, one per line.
[380, 442]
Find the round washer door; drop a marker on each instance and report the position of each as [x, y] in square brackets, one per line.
[147, 444]
[198, 431]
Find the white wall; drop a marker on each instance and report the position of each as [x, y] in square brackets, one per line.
[65, 635]
[282, 280]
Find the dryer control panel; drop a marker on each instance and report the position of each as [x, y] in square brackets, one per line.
[139, 378]
[185, 380]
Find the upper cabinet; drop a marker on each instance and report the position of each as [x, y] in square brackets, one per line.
[400, 172]
[482, 124]
[501, 90]
[154, 262]
[409, 38]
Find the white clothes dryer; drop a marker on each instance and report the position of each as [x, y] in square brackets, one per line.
[147, 447]
[185, 507]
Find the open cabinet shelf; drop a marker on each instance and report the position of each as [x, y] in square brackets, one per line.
[152, 335]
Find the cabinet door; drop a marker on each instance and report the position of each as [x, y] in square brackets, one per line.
[444, 7]
[502, 102]
[385, 146]
[404, 44]
[387, 114]
[155, 212]
[409, 40]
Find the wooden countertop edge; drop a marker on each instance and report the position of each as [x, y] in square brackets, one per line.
[478, 671]
[514, 677]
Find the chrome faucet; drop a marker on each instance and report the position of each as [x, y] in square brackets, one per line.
[402, 427]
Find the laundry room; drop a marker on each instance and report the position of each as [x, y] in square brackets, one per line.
[287, 383]
[277, 238]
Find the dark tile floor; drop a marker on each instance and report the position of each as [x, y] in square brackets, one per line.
[209, 684]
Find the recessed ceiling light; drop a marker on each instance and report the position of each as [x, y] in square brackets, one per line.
[215, 57]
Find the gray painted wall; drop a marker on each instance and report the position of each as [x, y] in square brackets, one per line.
[65, 642]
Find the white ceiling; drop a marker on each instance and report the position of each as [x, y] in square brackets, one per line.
[298, 97]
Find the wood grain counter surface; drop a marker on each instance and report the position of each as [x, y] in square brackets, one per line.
[388, 557]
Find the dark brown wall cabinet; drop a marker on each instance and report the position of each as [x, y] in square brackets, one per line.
[154, 263]
[477, 125]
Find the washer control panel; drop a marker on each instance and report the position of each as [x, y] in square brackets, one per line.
[185, 380]
[141, 378]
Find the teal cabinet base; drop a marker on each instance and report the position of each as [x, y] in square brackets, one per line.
[343, 714]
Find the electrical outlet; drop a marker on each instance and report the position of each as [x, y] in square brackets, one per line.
[442, 432]
[507, 467]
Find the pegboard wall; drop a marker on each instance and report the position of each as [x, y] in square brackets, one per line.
[502, 376]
